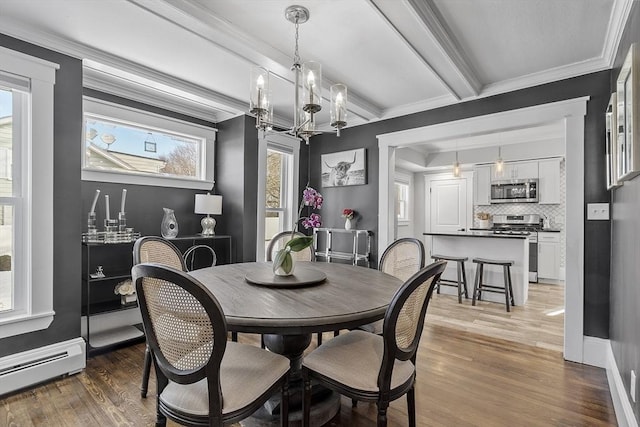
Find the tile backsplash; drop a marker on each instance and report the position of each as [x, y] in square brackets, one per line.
[556, 213]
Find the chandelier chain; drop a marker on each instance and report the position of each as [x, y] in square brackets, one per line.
[296, 54]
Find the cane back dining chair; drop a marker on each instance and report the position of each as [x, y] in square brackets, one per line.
[159, 250]
[202, 379]
[377, 368]
[402, 259]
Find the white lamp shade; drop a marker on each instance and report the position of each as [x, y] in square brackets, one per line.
[208, 204]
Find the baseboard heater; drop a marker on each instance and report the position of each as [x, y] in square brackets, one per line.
[31, 367]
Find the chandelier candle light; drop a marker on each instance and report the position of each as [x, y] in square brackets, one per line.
[211, 205]
[311, 97]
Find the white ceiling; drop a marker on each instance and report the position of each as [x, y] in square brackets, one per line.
[395, 56]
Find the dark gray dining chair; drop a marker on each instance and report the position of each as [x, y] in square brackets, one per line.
[202, 379]
[402, 259]
[377, 368]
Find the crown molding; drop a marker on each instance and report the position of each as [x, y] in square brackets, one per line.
[619, 16]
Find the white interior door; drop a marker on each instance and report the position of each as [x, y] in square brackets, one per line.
[449, 207]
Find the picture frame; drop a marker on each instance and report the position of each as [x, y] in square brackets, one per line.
[611, 143]
[344, 168]
[628, 116]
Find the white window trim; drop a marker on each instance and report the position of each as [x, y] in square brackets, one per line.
[290, 143]
[38, 255]
[127, 114]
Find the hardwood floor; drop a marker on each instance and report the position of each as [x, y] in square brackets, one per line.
[463, 379]
[540, 322]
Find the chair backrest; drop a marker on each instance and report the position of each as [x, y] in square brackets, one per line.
[185, 327]
[403, 258]
[158, 250]
[404, 320]
[279, 240]
[190, 256]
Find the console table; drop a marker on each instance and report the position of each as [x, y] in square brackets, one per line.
[327, 240]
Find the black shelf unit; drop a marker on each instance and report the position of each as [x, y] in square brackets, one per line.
[116, 259]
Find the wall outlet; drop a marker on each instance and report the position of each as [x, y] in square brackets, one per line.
[598, 211]
[632, 388]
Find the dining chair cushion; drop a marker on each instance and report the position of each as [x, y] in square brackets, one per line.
[246, 373]
[354, 359]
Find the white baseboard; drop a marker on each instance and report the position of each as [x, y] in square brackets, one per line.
[31, 367]
[619, 395]
[594, 351]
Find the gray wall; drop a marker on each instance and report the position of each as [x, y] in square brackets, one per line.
[597, 234]
[66, 205]
[625, 249]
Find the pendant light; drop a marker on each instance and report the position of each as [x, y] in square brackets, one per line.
[499, 163]
[456, 167]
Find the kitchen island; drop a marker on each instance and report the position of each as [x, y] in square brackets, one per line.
[485, 244]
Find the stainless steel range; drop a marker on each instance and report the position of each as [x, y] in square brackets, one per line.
[529, 225]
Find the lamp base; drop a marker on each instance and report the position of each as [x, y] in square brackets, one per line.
[208, 225]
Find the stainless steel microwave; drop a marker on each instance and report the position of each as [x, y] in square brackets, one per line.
[514, 191]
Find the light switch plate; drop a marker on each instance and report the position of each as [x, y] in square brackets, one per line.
[598, 211]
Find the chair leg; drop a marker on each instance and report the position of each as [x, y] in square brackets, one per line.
[464, 282]
[262, 344]
[234, 336]
[475, 285]
[510, 286]
[319, 339]
[480, 283]
[458, 270]
[506, 287]
[146, 370]
[382, 413]
[354, 403]
[306, 400]
[411, 406]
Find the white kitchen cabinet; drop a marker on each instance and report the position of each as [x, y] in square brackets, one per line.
[549, 181]
[515, 170]
[548, 255]
[481, 185]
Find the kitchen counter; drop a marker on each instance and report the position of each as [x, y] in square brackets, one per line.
[479, 233]
[485, 244]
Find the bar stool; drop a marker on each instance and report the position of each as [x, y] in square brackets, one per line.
[461, 283]
[478, 286]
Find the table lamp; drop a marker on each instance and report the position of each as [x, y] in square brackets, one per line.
[211, 205]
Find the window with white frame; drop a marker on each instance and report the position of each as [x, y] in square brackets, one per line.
[26, 188]
[402, 201]
[278, 194]
[126, 145]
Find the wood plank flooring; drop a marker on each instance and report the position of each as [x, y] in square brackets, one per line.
[463, 379]
[540, 322]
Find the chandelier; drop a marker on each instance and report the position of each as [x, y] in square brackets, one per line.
[308, 101]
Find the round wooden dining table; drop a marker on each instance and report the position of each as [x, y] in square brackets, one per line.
[287, 313]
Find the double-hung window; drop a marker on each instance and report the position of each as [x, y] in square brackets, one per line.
[402, 201]
[26, 193]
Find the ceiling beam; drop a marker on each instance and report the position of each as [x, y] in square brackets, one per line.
[415, 21]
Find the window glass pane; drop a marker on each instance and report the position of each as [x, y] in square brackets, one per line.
[6, 257]
[6, 191]
[275, 180]
[273, 225]
[129, 148]
[402, 201]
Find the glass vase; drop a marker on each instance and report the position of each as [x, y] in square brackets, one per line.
[283, 262]
[169, 225]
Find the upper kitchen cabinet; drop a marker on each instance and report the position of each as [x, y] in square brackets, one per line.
[481, 185]
[549, 181]
[515, 170]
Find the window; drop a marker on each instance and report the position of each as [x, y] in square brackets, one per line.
[278, 215]
[26, 193]
[125, 145]
[277, 198]
[402, 201]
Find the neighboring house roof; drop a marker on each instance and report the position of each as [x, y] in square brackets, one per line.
[101, 158]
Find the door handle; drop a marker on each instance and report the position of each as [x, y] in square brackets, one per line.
[461, 229]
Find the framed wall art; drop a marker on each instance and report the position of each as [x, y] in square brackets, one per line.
[611, 142]
[628, 116]
[344, 168]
